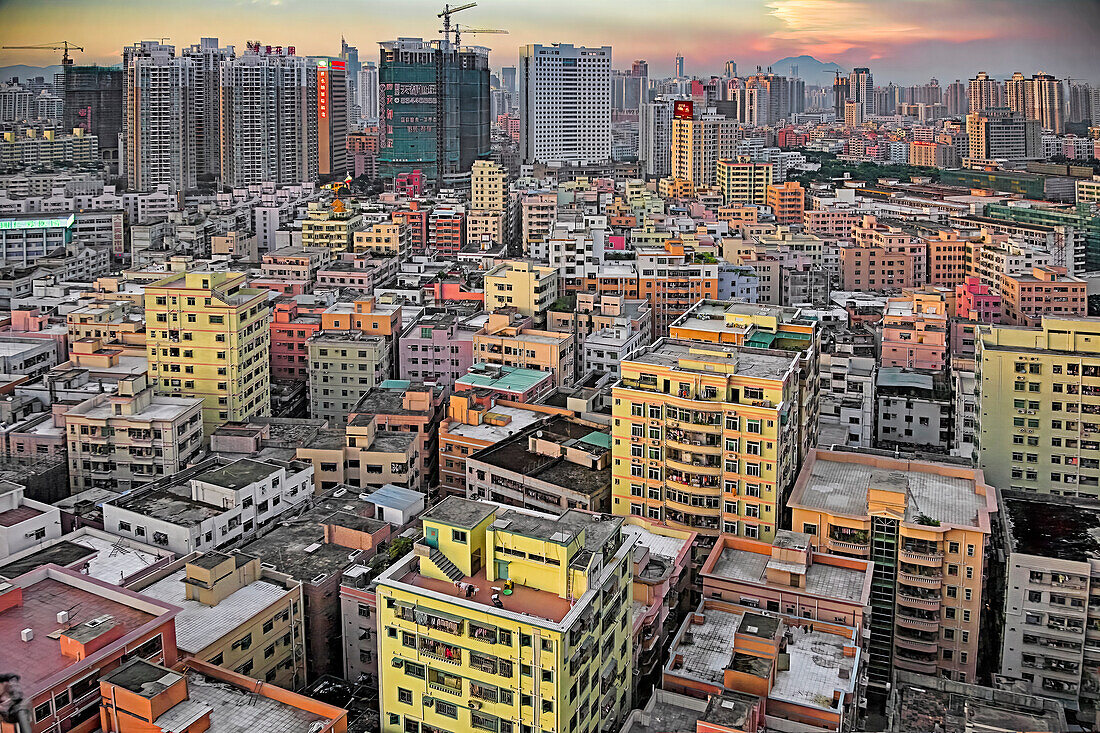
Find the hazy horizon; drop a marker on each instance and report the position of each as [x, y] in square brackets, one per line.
[905, 41]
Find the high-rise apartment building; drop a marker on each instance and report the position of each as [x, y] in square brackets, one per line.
[207, 58]
[699, 141]
[1047, 102]
[208, 337]
[956, 98]
[269, 117]
[367, 91]
[565, 103]
[350, 56]
[842, 91]
[94, 103]
[1017, 90]
[159, 119]
[508, 621]
[743, 181]
[655, 138]
[926, 527]
[705, 436]
[1038, 406]
[861, 87]
[1002, 134]
[488, 187]
[985, 93]
[678, 69]
[435, 106]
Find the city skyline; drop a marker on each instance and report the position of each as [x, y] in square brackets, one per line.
[903, 40]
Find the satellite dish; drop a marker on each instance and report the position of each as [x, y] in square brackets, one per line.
[538, 434]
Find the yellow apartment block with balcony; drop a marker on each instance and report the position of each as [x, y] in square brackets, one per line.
[744, 181]
[507, 621]
[208, 337]
[1039, 406]
[705, 437]
[384, 238]
[330, 226]
[926, 527]
[530, 289]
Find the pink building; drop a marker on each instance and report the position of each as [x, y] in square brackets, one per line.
[34, 323]
[914, 332]
[974, 301]
[1046, 290]
[409, 184]
[291, 327]
[883, 258]
[437, 349]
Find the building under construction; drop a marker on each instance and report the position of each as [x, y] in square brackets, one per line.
[435, 108]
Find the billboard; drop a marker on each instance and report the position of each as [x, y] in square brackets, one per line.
[683, 110]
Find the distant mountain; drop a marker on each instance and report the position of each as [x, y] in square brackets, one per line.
[809, 68]
[28, 72]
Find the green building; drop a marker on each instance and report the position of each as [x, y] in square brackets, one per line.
[1080, 224]
[435, 110]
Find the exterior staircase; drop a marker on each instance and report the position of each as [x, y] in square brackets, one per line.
[447, 567]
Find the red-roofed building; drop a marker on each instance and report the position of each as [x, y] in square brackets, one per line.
[60, 631]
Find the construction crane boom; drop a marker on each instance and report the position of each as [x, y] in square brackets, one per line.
[446, 14]
[468, 29]
[55, 46]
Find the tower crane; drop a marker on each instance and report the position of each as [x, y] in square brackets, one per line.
[55, 46]
[468, 29]
[448, 11]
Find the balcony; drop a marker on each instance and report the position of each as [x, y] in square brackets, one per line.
[848, 548]
[915, 598]
[927, 559]
[917, 624]
[698, 467]
[915, 661]
[449, 689]
[926, 581]
[926, 647]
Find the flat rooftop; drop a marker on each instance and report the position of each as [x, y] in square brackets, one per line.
[824, 580]
[198, 625]
[238, 474]
[524, 600]
[18, 515]
[749, 362]
[818, 665]
[111, 562]
[1064, 531]
[841, 487]
[40, 658]
[658, 544]
[521, 419]
[504, 378]
[459, 512]
[162, 503]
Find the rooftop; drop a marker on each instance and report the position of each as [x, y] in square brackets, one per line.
[746, 362]
[166, 505]
[818, 664]
[924, 703]
[239, 474]
[829, 581]
[840, 485]
[198, 625]
[41, 658]
[521, 418]
[107, 560]
[500, 377]
[395, 497]
[20, 514]
[523, 600]
[458, 512]
[1064, 531]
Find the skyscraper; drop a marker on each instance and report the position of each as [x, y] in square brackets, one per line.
[160, 135]
[956, 98]
[731, 69]
[1017, 90]
[332, 117]
[1079, 102]
[841, 91]
[94, 102]
[269, 117]
[679, 70]
[565, 103]
[208, 58]
[1047, 102]
[435, 108]
[1001, 134]
[655, 138]
[367, 93]
[699, 141]
[350, 56]
[985, 93]
[861, 86]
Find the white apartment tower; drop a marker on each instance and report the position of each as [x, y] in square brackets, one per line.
[367, 92]
[655, 138]
[268, 118]
[159, 128]
[565, 103]
[208, 58]
[861, 88]
[985, 93]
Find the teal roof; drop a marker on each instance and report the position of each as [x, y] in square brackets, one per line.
[395, 384]
[511, 379]
[760, 339]
[598, 439]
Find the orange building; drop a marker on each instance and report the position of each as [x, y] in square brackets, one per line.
[787, 201]
[194, 696]
[1048, 290]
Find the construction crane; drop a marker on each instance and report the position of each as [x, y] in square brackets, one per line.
[468, 29]
[55, 46]
[448, 11]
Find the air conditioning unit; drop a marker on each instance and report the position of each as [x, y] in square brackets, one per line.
[475, 705]
[397, 662]
[429, 701]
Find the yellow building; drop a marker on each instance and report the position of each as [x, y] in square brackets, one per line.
[1039, 406]
[485, 227]
[699, 143]
[744, 181]
[208, 337]
[926, 528]
[488, 187]
[706, 436]
[330, 226]
[235, 614]
[508, 621]
[390, 238]
[528, 288]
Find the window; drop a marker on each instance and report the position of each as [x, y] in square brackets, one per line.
[458, 535]
[404, 696]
